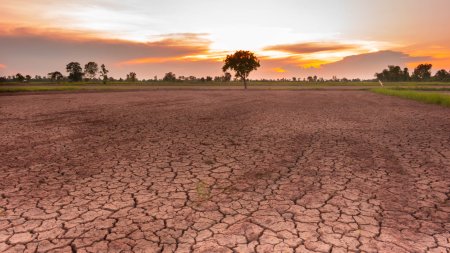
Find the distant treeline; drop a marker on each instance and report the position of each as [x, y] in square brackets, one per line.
[421, 73]
[93, 73]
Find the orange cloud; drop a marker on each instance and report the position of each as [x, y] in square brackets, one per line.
[439, 55]
[14, 30]
[311, 47]
[279, 70]
[316, 54]
[150, 60]
[2, 66]
[356, 66]
[189, 42]
[312, 63]
[37, 51]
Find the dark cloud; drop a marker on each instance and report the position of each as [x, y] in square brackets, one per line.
[356, 66]
[365, 65]
[24, 51]
[312, 47]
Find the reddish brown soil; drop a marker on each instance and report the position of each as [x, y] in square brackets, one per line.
[223, 171]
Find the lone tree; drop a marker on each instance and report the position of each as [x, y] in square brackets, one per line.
[91, 69]
[242, 62]
[104, 73]
[75, 71]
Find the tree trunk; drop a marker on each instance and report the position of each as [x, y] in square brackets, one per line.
[245, 83]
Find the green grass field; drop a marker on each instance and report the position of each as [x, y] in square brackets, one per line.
[425, 97]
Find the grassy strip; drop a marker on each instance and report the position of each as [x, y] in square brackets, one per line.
[233, 83]
[48, 88]
[38, 88]
[425, 97]
[84, 87]
[7, 89]
[420, 88]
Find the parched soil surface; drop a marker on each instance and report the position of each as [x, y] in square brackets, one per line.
[223, 171]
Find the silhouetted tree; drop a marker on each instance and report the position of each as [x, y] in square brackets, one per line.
[19, 77]
[242, 62]
[75, 71]
[393, 74]
[442, 75]
[227, 77]
[55, 76]
[104, 73]
[406, 76]
[170, 77]
[132, 77]
[422, 72]
[91, 69]
[209, 79]
[28, 78]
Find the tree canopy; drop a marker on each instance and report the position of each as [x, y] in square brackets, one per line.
[169, 77]
[75, 71]
[393, 74]
[55, 76]
[104, 73]
[19, 77]
[442, 75]
[91, 69]
[422, 72]
[242, 63]
[132, 77]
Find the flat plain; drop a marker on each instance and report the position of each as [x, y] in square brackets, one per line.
[223, 171]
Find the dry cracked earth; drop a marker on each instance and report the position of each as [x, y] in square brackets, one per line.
[223, 171]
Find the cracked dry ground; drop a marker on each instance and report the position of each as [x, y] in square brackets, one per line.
[223, 171]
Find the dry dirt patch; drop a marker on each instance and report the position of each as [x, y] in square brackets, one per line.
[223, 171]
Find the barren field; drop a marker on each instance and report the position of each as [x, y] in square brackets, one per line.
[223, 171]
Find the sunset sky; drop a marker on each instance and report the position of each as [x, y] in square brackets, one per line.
[293, 38]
